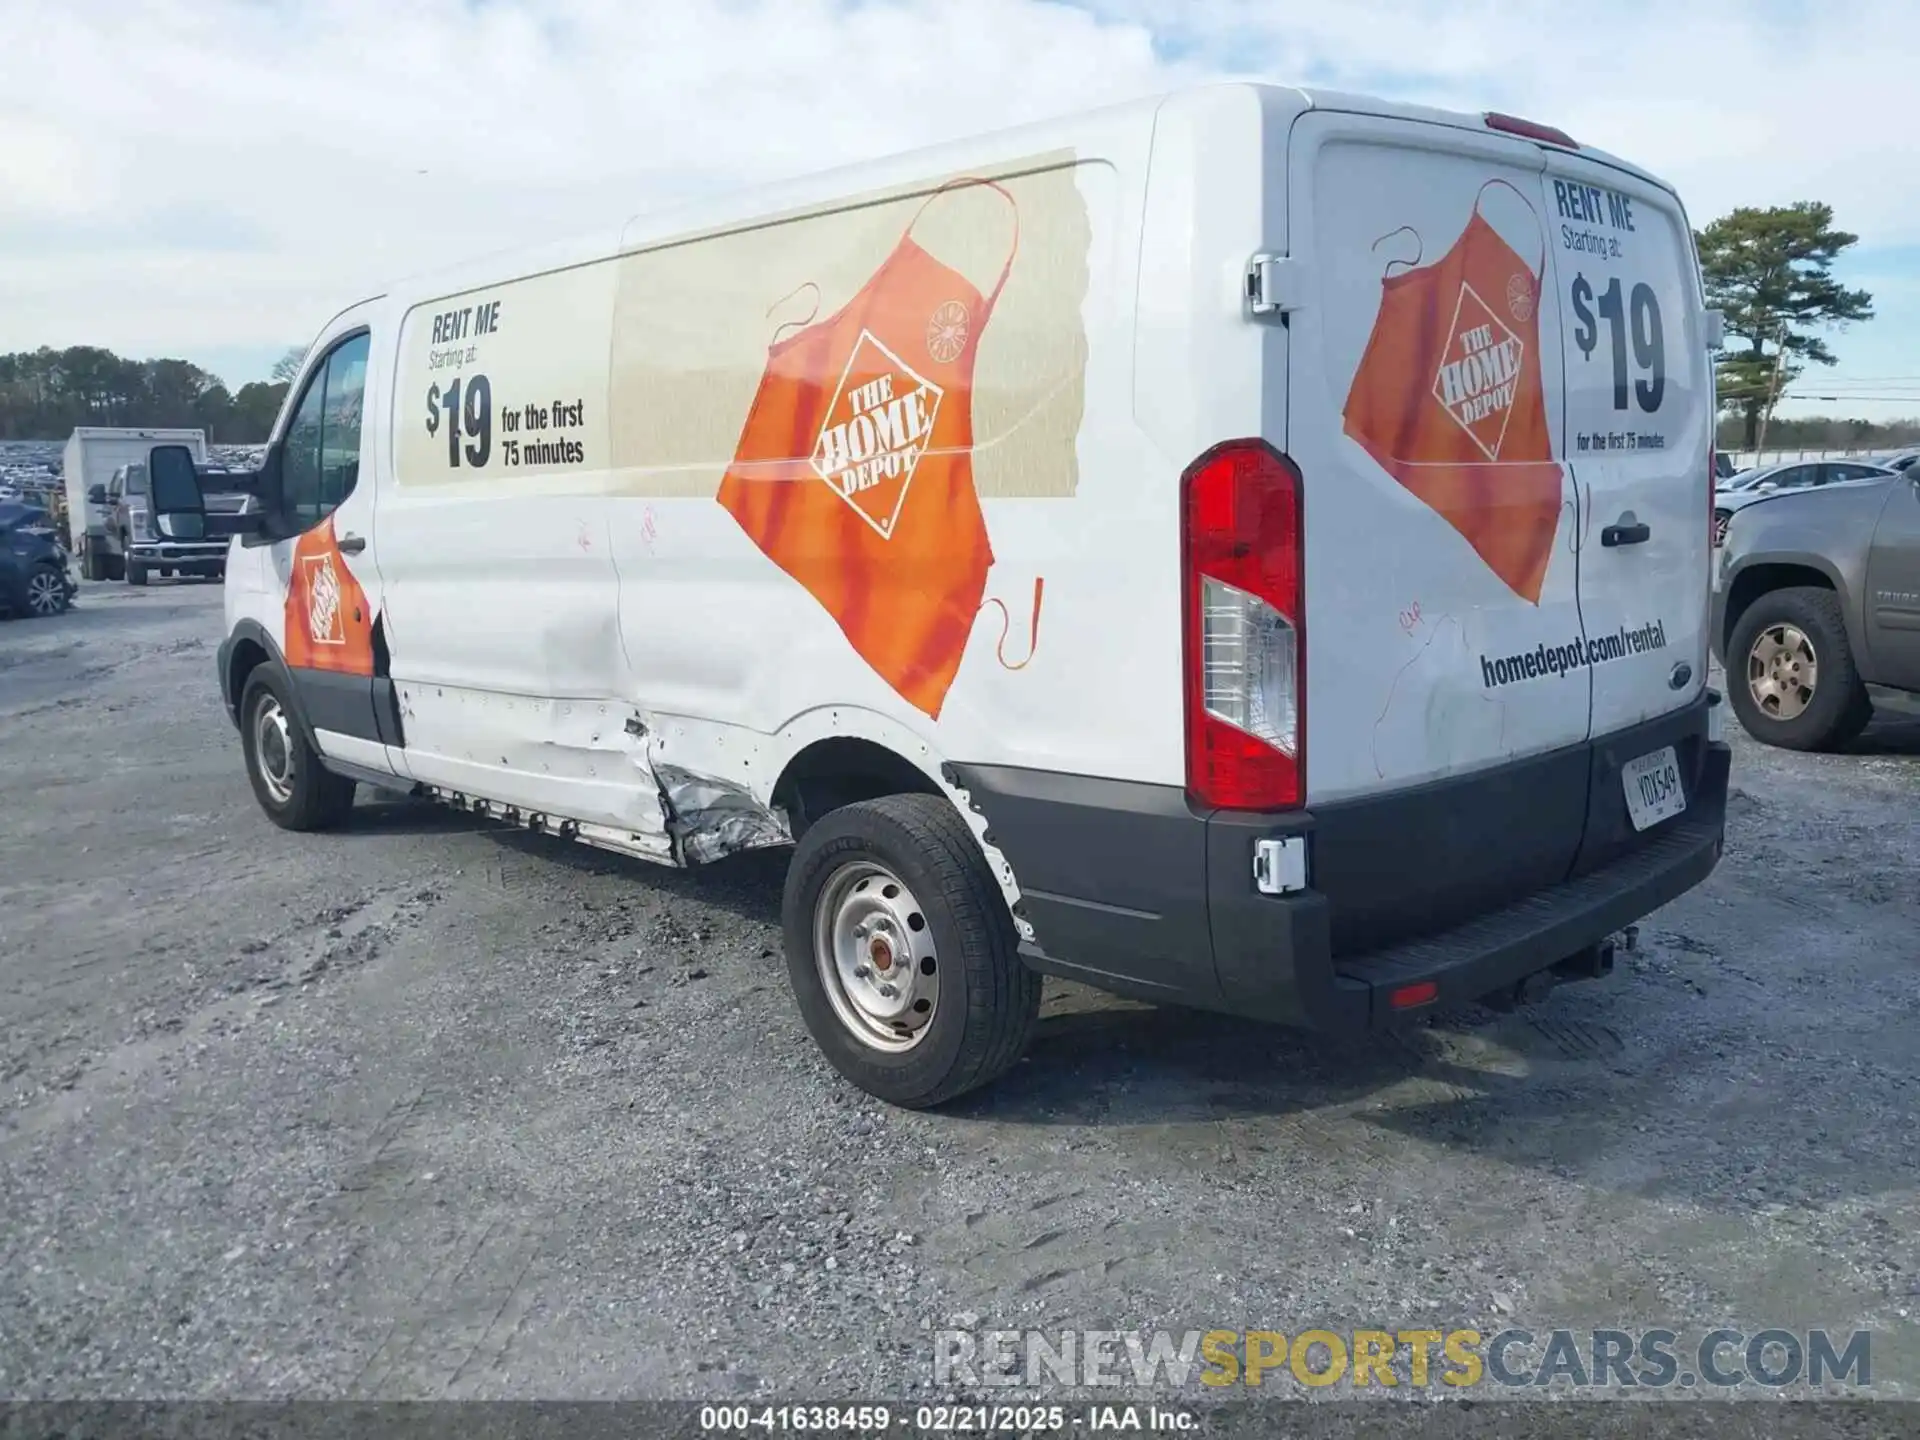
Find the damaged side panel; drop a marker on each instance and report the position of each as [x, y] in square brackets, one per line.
[571, 760]
[709, 818]
[584, 770]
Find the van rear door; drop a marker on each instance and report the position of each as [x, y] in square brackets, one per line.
[1638, 423]
[1446, 706]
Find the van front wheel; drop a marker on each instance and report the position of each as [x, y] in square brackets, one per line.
[292, 786]
[902, 954]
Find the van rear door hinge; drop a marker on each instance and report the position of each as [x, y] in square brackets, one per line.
[1280, 865]
[1275, 284]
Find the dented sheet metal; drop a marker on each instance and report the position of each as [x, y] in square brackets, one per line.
[709, 818]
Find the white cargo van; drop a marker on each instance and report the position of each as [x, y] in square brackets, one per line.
[1247, 550]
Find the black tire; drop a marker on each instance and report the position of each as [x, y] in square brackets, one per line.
[301, 794]
[1838, 708]
[92, 563]
[166, 572]
[986, 999]
[114, 566]
[136, 573]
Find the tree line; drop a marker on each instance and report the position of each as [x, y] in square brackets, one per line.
[1823, 432]
[46, 393]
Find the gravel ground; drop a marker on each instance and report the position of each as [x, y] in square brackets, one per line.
[426, 1108]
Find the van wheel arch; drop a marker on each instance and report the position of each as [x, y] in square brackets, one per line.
[248, 655]
[1750, 584]
[843, 770]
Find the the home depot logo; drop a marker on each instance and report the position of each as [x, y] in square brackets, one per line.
[324, 625]
[1479, 372]
[875, 432]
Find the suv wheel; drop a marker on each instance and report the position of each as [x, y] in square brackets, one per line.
[1790, 672]
[292, 786]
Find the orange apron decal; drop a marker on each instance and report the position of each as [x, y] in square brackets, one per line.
[329, 625]
[854, 471]
[1449, 400]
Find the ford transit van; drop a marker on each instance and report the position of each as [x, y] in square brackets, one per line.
[1245, 550]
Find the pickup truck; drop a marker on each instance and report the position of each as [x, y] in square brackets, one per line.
[1816, 612]
[132, 544]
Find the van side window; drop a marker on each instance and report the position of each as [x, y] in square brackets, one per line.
[322, 462]
[116, 484]
[136, 480]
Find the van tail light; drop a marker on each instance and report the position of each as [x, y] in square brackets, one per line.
[1244, 628]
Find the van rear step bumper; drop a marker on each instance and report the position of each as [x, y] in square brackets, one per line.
[1563, 933]
[1130, 890]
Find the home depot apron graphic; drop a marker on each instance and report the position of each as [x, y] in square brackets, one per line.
[854, 470]
[1449, 399]
[329, 625]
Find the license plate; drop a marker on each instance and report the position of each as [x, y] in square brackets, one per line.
[1654, 792]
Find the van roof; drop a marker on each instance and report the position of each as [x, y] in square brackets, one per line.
[726, 207]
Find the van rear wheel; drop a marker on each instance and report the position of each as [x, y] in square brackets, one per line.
[902, 954]
[1790, 671]
[292, 786]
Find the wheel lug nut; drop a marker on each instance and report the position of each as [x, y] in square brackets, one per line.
[892, 992]
[861, 972]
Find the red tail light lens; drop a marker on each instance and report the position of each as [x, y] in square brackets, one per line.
[1245, 634]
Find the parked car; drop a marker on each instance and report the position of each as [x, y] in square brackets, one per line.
[1817, 618]
[1901, 460]
[36, 577]
[1751, 485]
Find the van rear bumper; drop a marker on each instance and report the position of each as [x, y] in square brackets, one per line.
[1130, 890]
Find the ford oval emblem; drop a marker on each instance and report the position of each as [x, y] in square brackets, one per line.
[1681, 674]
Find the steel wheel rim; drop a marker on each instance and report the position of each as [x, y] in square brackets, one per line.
[44, 593]
[273, 749]
[871, 937]
[1782, 671]
[1721, 520]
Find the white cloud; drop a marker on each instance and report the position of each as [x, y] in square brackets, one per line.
[218, 176]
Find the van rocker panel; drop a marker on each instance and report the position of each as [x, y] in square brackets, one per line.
[1130, 889]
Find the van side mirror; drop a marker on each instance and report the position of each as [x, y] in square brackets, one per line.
[96, 494]
[173, 482]
[268, 488]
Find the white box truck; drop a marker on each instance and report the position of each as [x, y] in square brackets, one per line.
[93, 453]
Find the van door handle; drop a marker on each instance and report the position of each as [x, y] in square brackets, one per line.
[1637, 534]
[353, 544]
